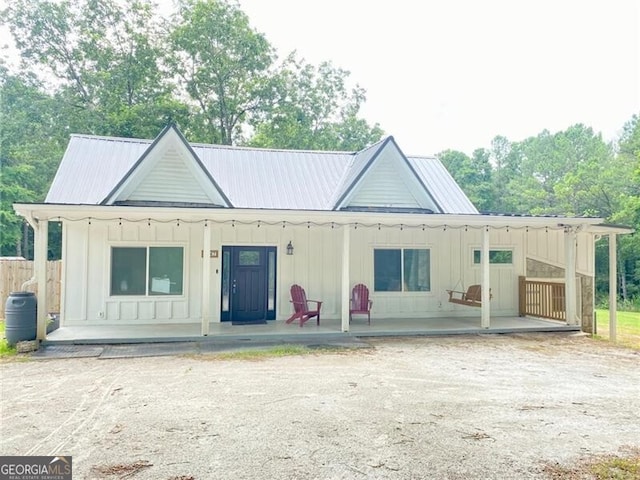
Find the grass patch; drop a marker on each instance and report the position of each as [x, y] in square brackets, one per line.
[5, 349]
[628, 331]
[257, 354]
[602, 467]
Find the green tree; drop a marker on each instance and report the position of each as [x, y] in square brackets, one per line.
[592, 185]
[628, 213]
[313, 108]
[473, 174]
[106, 61]
[224, 66]
[506, 159]
[31, 144]
[567, 173]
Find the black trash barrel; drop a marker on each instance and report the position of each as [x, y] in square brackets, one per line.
[20, 314]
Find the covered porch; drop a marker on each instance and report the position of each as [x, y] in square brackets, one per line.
[278, 329]
[332, 252]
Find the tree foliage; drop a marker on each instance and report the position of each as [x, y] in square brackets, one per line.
[104, 60]
[313, 108]
[473, 174]
[31, 144]
[572, 172]
[224, 65]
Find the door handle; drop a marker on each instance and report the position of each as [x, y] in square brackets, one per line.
[233, 286]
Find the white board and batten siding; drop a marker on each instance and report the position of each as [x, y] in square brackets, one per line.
[452, 267]
[548, 246]
[87, 257]
[316, 264]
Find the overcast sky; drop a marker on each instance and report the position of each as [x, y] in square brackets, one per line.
[456, 73]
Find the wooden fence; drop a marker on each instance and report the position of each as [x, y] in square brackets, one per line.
[13, 273]
[542, 299]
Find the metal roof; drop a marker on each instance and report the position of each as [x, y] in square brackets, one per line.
[93, 166]
[441, 185]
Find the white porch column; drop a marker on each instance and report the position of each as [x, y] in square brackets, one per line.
[570, 276]
[40, 252]
[206, 279]
[613, 288]
[486, 280]
[346, 258]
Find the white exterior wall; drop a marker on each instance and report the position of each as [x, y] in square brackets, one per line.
[548, 246]
[87, 258]
[316, 265]
[452, 268]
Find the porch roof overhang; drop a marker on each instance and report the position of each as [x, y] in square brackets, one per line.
[66, 212]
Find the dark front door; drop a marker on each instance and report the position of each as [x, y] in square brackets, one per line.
[248, 283]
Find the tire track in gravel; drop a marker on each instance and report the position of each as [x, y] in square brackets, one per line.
[82, 414]
[32, 388]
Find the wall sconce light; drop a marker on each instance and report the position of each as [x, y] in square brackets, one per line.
[289, 248]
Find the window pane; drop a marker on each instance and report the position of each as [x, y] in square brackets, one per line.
[165, 270]
[226, 267]
[128, 270]
[249, 257]
[495, 256]
[271, 281]
[386, 268]
[417, 270]
[500, 256]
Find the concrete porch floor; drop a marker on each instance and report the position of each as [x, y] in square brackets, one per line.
[281, 330]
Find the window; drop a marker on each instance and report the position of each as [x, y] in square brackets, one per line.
[249, 257]
[402, 270]
[504, 257]
[147, 270]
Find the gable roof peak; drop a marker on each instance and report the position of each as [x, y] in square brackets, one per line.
[379, 143]
[142, 168]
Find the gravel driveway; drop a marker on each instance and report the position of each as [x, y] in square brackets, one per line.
[460, 407]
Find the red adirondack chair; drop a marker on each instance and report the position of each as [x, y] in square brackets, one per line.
[360, 302]
[301, 309]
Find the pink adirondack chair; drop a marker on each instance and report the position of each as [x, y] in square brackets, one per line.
[360, 303]
[301, 309]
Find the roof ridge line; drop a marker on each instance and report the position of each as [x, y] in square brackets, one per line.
[261, 149]
[110, 138]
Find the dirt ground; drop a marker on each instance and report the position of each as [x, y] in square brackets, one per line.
[466, 407]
